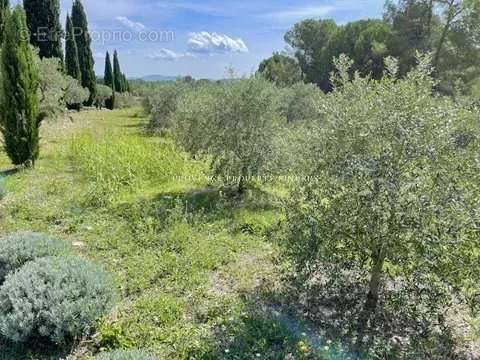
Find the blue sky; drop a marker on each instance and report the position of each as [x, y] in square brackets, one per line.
[203, 38]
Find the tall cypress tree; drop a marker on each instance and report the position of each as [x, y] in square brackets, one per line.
[4, 7]
[43, 20]
[72, 66]
[20, 119]
[109, 81]
[85, 57]
[117, 73]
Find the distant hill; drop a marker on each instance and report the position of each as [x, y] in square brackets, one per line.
[157, 78]
[153, 78]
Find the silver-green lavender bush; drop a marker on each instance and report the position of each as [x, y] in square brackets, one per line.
[19, 248]
[54, 298]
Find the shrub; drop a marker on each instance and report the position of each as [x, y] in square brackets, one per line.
[103, 94]
[235, 125]
[162, 105]
[299, 102]
[51, 91]
[125, 355]
[20, 248]
[125, 100]
[389, 192]
[75, 94]
[54, 298]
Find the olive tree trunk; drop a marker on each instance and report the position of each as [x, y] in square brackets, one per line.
[376, 273]
[375, 284]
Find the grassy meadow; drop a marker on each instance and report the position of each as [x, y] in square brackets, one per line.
[194, 267]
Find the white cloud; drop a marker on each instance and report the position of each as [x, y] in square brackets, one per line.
[209, 43]
[132, 25]
[168, 55]
[294, 14]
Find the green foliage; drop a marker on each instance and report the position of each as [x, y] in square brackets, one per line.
[51, 86]
[412, 23]
[20, 118]
[23, 247]
[300, 102]
[281, 69]
[125, 355]
[72, 65]
[390, 185]
[43, 20]
[75, 95]
[447, 29]
[125, 100]
[103, 93]
[109, 81]
[58, 91]
[85, 56]
[317, 42]
[4, 7]
[54, 298]
[162, 104]
[234, 124]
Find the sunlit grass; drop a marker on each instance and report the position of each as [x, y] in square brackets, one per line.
[186, 257]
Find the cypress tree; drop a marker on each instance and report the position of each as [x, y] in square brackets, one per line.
[109, 81]
[85, 56]
[117, 73]
[4, 7]
[72, 66]
[126, 85]
[20, 118]
[43, 20]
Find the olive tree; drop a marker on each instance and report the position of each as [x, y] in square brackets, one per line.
[393, 184]
[102, 95]
[162, 104]
[51, 86]
[299, 102]
[234, 125]
[75, 95]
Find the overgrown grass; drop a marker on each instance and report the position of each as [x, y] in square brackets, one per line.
[188, 259]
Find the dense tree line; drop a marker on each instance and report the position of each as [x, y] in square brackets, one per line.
[449, 29]
[43, 20]
[37, 81]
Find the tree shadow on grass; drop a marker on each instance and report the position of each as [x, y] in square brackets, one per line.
[133, 126]
[9, 172]
[403, 326]
[259, 333]
[319, 320]
[212, 204]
